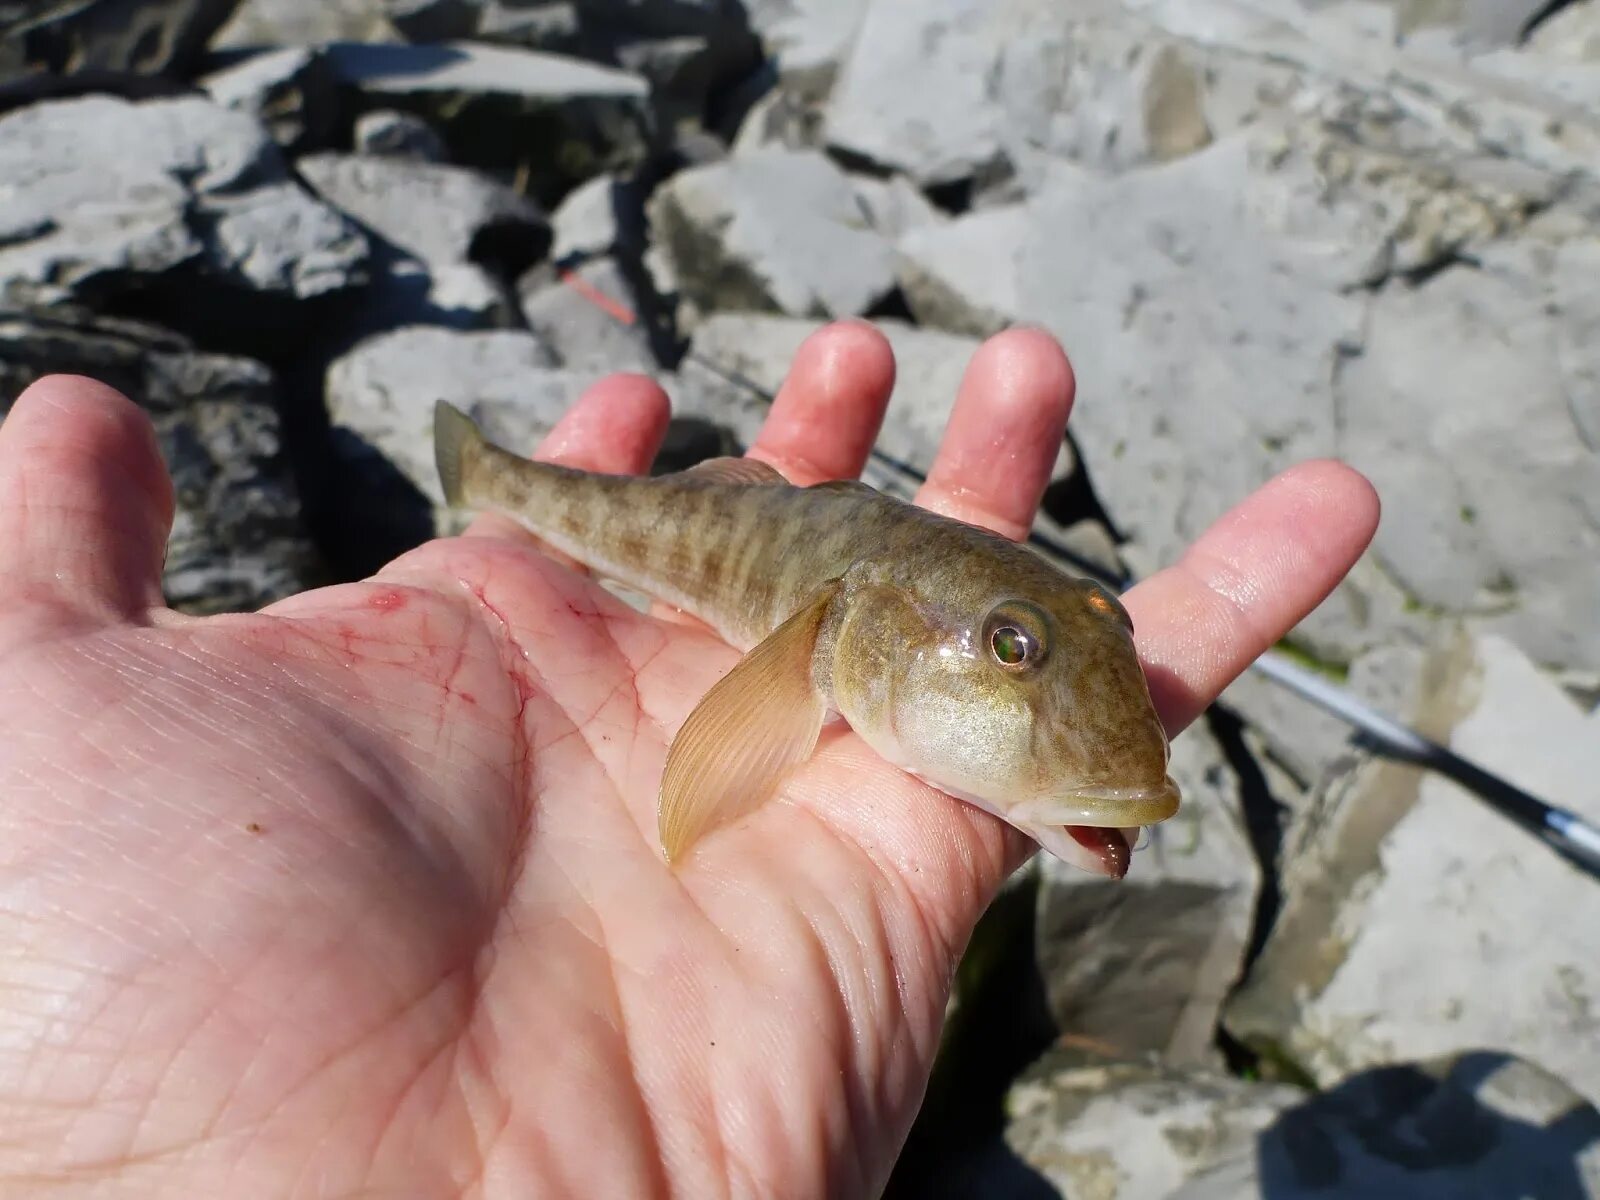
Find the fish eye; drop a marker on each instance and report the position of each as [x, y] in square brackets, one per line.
[1011, 645]
[1015, 635]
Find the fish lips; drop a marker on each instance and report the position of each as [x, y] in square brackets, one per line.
[1105, 808]
[1095, 828]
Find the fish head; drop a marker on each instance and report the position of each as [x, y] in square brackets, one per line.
[1027, 701]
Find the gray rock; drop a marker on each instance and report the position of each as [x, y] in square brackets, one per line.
[473, 69]
[929, 368]
[1505, 105]
[593, 219]
[772, 230]
[1418, 922]
[968, 90]
[1571, 34]
[782, 117]
[389, 134]
[1471, 535]
[1478, 1126]
[276, 239]
[1133, 1132]
[237, 540]
[1216, 299]
[305, 23]
[439, 214]
[1144, 965]
[589, 319]
[384, 391]
[566, 119]
[963, 275]
[894, 206]
[553, 26]
[100, 37]
[1469, 24]
[106, 195]
[1309, 742]
[462, 296]
[290, 91]
[808, 39]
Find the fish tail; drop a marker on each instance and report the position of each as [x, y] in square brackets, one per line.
[457, 443]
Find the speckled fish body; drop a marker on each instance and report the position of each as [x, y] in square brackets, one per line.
[961, 657]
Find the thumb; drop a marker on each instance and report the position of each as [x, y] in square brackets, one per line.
[85, 509]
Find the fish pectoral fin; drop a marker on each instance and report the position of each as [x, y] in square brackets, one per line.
[735, 470]
[757, 722]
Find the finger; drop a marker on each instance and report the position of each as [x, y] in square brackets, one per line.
[1004, 434]
[828, 412]
[614, 428]
[85, 504]
[1249, 579]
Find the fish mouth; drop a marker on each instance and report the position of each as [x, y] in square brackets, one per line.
[1095, 828]
[1106, 808]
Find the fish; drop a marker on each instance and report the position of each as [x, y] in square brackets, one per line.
[963, 658]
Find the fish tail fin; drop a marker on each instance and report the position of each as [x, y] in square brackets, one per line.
[456, 440]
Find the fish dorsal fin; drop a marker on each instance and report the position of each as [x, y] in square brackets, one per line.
[756, 722]
[849, 486]
[735, 470]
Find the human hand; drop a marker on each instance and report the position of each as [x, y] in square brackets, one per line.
[361, 894]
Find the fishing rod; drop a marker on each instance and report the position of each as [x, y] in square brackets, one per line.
[1566, 832]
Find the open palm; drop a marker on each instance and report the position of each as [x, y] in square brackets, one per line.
[361, 894]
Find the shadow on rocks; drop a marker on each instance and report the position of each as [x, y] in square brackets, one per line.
[1479, 1126]
[999, 1023]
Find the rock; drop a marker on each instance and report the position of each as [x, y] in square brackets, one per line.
[305, 23]
[1473, 537]
[1134, 1132]
[779, 117]
[962, 275]
[688, 50]
[1418, 922]
[1309, 742]
[772, 230]
[290, 91]
[406, 292]
[589, 318]
[1144, 965]
[1272, 232]
[595, 219]
[970, 89]
[384, 133]
[384, 391]
[551, 26]
[807, 38]
[894, 207]
[439, 214]
[465, 69]
[1571, 33]
[237, 540]
[929, 368]
[99, 37]
[1477, 1126]
[109, 199]
[560, 120]
[1467, 24]
[433, 20]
